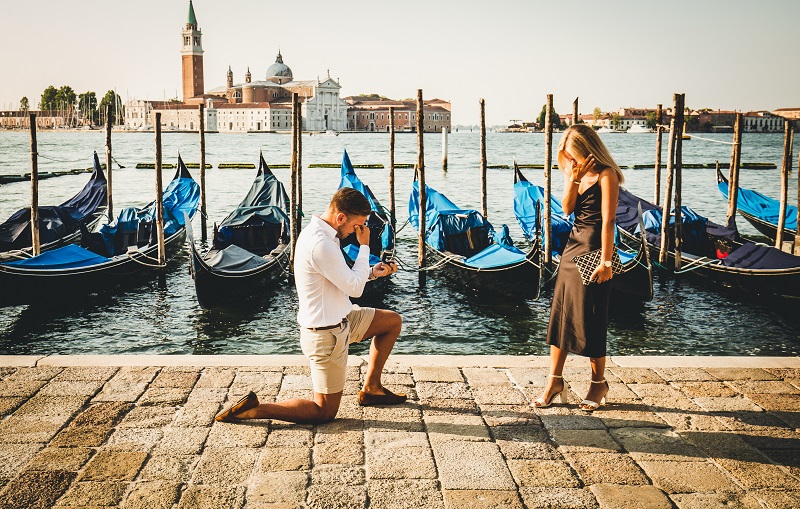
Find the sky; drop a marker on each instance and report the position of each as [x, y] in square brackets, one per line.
[723, 54]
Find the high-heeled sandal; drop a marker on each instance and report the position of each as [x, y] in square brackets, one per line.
[588, 405]
[541, 403]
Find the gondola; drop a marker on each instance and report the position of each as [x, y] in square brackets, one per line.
[636, 280]
[58, 225]
[250, 248]
[761, 211]
[122, 252]
[464, 248]
[711, 251]
[381, 230]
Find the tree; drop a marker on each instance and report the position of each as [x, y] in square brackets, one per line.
[87, 107]
[48, 100]
[616, 121]
[24, 105]
[112, 101]
[554, 118]
[597, 113]
[651, 119]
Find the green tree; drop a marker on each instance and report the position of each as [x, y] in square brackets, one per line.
[650, 117]
[597, 113]
[87, 107]
[616, 121]
[24, 104]
[554, 118]
[48, 100]
[692, 122]
[113, 102]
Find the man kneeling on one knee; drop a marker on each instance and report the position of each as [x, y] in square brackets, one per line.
[329, 322]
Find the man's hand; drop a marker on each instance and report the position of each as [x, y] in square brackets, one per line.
[362, 235]
[384, 269]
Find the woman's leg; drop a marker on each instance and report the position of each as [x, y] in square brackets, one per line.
[554, 383]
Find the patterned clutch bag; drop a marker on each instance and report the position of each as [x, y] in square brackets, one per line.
[588, 262]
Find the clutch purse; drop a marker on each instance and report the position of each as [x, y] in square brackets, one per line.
[588, 262]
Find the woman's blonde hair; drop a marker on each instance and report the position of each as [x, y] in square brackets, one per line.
[582, 141]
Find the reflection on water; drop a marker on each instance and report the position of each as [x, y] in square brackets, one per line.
[686, 317]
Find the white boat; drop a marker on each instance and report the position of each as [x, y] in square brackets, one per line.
[638, 129]
[330, 132]
[605, 130]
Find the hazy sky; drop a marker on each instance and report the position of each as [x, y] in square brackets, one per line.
[721, 53]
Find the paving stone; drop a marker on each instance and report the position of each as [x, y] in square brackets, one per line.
[121, 391]
[688, 477]
[404, 494]
[169, 378]
[722, 445]
[135, 374]
[485, 376]
[455, 427]
[215, 377]
[706, 389]
[652, 444]
[134, 439]
[684, 415]
[299, 370]
[8, 405]
[182, 441]
[777, 402]
[196, 414]
[735, 404]
[656, 391]
[436, 374]
[754, 475]
[82, 436]
[225, 466]
[396, 379]
[434, 390]
[289, 436]
[36, 489]
[349, 431]
[741, 374]
[630, 416]
[684, 374]
[543, 473]
[86, 373]
[149, 417]
[582, 441]
[525, 443]
[152, 495]
[14, 456]
[607, 468]
[271, 489]
[61, 408]
[113, 466]
[482, 499]
[707, 500]
[68, 459]
[102, 414]
[296, 383]
[637, 375]
[211, 497]
[164, 396]
[338, 474]
[285, 395]
[285, 458]
[28, 430]
[751, 421]
[406, 417]
[558, 498]
[71, 388]
[6, 372]
[763, 387]
[168, 467]
[92, 493]
[534, 377]
[398, 455]
[247, 434]
[774, 438]
[41, 373]
[773, 499]
[326, 496]
[554, 421]
[471, 465]
[498, 395]
[613, 496]
[619, 393]
[351, 410]
[439, 406]
[509, 415]
[338, 453]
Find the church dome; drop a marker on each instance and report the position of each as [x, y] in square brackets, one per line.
[279, 69]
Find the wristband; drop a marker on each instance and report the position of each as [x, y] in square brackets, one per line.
[575, 181]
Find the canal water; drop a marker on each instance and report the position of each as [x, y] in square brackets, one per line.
[684, 318]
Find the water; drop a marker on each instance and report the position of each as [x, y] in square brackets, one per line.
[684, 318]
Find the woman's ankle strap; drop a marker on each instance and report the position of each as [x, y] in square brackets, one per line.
[599, 381]
[555, 376]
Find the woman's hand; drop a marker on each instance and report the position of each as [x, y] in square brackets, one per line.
[384, 269]
[601, 274]
[579, 170]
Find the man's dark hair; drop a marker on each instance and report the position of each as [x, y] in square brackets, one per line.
[350, 202]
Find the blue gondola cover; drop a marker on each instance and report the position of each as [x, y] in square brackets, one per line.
[762, 206]
[67, 257]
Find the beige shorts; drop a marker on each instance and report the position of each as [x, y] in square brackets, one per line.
[327, 349]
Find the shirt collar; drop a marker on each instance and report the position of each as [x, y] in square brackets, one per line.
[329, 230]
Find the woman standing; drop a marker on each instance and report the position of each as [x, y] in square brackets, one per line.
[579, 313]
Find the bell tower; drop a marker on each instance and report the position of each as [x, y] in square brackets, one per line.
[192, 57]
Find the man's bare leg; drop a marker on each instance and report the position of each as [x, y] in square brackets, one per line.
[384, 329]
[302, 411]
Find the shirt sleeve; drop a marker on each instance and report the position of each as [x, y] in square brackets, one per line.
[328, 259]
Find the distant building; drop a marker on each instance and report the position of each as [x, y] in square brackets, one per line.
[371, 113]
[763, 122]
[788, 113]
[22, 120]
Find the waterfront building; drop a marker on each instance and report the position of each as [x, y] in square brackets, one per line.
[763, 122]
[17, 119]
[371, 113]
[788, 113]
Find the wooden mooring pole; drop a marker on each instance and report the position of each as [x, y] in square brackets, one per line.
[293, 186]
[444, 148]
[159, 195]
[109, 179]
[679, 123]
[203, 204]
[667, 206]
[298, 224]
[786, 168]
[575, 111]
[34, 189]
[421, 182]
[733, 176]
[484, 164]
[659, 135]
[548, 177]
[391, 167]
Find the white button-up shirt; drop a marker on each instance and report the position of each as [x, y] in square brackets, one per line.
[323, 279]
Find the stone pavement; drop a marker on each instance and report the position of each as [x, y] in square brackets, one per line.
[138, 432]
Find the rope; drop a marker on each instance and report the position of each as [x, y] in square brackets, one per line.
[682, 271]
[156, 266]
[715, 141]
[58, 160]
